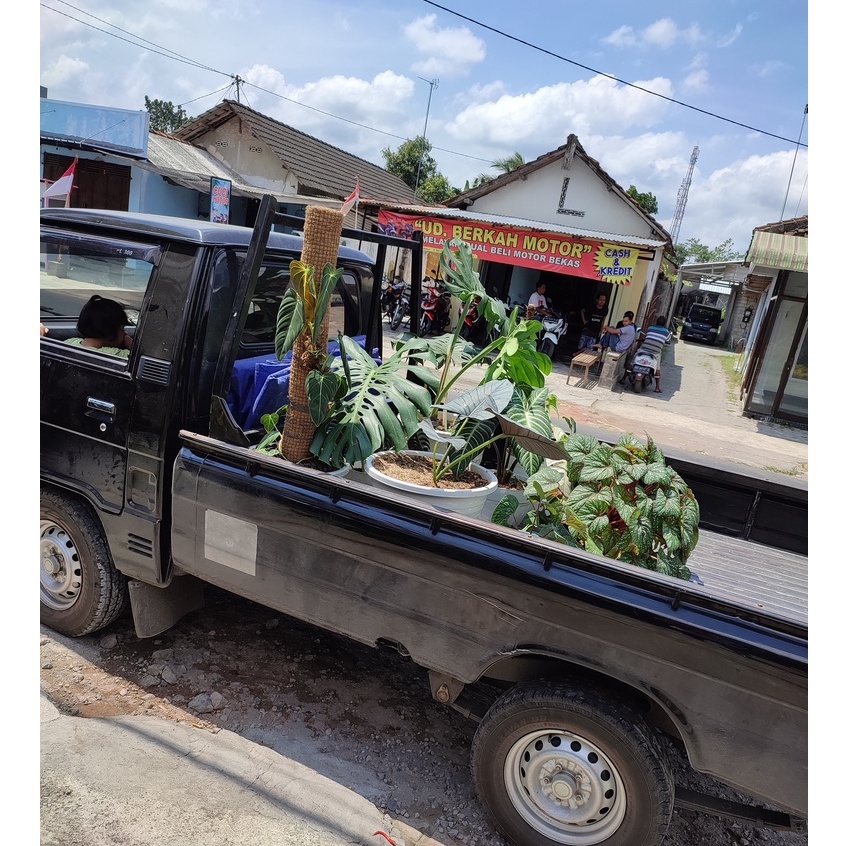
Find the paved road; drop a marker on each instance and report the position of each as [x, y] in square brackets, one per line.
[697, 415]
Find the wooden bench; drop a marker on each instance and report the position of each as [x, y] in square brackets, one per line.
[583, 359]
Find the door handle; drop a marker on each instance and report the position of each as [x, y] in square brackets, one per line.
[100, 409]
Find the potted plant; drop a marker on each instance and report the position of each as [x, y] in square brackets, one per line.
[621, 501]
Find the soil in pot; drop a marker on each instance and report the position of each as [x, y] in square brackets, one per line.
[417, 470]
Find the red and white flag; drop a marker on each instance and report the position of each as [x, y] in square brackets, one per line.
[353, 198]
[62, 186]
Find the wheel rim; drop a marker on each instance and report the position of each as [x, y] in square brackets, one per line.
[61, 569]
[565, 787]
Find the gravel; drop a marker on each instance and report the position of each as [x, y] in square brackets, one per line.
[362, 716]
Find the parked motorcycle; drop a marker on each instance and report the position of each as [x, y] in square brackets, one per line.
[554, 326]
[434, 310]
[475, 326]
[401, 308]
[391, 295]
[641, 373]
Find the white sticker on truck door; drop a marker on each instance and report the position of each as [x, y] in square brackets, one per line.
[231, 542]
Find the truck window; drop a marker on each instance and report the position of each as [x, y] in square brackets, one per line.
[260, 326]
[74, 267]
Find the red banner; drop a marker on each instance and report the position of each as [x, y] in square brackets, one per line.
[598, 260]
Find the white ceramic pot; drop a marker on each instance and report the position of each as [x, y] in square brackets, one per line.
[469, 501]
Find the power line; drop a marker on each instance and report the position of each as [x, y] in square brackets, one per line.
[170, 54]
[607, 75]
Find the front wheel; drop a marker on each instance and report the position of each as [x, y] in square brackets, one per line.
[397, 316]
[81, 591]
[547, 347]
[557, 766]
[425, 325]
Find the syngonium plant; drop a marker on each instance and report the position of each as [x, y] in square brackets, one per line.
[622, 501]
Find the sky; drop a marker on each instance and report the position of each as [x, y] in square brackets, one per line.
[642, 85]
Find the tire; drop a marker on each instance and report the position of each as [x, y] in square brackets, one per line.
[425, 326]
[81, 591]
[547, 347]
[397, 316]
[637, 385]
[536, 739]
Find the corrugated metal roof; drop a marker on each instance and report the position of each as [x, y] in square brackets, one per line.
[773, 249]
[192, 167]
[320, 167]
[526, 223]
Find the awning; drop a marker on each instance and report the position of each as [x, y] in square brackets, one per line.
[773, 249]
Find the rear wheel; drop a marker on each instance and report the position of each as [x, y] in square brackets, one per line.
[557, 766]
[81, 591]
[638, 384]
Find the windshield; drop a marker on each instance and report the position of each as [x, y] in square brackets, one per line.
[705, 314]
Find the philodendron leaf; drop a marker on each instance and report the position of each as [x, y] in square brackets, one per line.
[530, 440]
[321, 389]
[328, 282]
[440, 437]
[483, 402]
[505, 510]
[302, 281]
[289, 322]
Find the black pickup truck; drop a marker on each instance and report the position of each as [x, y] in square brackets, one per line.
[572, 664]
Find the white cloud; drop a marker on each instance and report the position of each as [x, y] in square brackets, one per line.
[730, 38]
[542, 119]
[662, 33]
[770, 68]
[696, 81]
[63, 70]
[446, 50]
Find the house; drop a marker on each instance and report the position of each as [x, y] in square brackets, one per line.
[121, 164]
[561, 220]
[291, 164]
[775, 356]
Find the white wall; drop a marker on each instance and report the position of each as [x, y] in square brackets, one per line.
[537, 198]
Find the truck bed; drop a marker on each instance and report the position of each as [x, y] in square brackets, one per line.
[741, 571]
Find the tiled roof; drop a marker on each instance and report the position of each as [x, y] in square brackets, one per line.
[320, 168]
[571, 148]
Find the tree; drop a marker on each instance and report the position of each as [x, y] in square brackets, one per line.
[409, 157]
[647, 200]
[436, 189]
[503, 165]
[164, 116]
[508, 163]
[693, 251]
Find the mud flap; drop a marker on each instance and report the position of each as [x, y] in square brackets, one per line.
[156, 609]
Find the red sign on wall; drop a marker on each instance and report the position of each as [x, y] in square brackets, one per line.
[560, 253]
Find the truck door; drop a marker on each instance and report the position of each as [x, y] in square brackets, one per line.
[87, 395]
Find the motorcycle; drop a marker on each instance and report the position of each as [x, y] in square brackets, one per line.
[641, 373]
[401, 308]
[434, 310]
[553, 327]
[475, 326]
[391, 296]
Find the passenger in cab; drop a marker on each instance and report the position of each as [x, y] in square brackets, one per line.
[102, 325]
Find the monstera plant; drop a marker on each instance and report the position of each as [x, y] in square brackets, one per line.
[622, 501]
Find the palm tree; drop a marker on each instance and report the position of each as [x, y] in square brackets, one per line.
[509, 163]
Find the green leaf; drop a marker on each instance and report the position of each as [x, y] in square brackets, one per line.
[321, 389]
[656, 474]
[328, 283]
[439, 436]
[481, 403]
[289, 322]
[505, 510]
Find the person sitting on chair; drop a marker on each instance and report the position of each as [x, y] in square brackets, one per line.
[101, 324]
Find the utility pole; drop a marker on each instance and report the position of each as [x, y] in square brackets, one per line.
[433, 84]
[793, 165]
